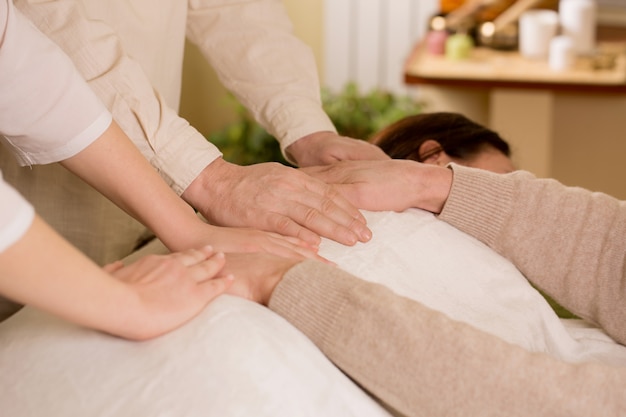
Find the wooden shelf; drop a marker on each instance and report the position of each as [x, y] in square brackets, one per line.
[491, 68]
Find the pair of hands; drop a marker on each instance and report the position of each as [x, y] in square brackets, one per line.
[388, 185]
[364, 175]
[172, 289]
[293, 209]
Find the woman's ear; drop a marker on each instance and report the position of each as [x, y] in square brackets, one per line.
[430, 152]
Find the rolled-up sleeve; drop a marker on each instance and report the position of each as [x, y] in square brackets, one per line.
[47, 112]
[177, 150]
[251, 46]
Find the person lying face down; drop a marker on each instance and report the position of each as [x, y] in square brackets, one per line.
[440, 138]
[566, 240]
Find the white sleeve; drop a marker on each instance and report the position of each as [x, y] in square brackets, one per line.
[47, 111]
[16, 215]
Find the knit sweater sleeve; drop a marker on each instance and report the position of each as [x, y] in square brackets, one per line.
[568, 241]
[419, 362]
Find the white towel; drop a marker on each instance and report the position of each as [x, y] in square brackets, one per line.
[428, 260]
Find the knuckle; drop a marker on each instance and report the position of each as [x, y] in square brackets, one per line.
[311, 215]
[327, 206]
[282, 224]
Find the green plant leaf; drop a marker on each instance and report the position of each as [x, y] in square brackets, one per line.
[354, 114]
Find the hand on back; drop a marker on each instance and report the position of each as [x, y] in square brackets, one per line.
[169, 290]
[323, 148]
[247, 240]
[276, 198]
[393, 184]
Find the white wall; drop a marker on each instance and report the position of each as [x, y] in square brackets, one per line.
[367, 41]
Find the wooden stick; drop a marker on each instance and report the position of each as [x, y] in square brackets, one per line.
[467, 9]
[513, 13]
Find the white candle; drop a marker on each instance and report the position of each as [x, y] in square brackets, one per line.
[578, 21]
[562, 54]
[536, 30]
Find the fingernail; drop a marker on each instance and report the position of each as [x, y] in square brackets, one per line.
[352, 239]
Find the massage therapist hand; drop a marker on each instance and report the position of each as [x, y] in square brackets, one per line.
[150, 200]
[388, 185]
[235, 239]
[322, 148]
[275, 198]
[150, 297]
[168, 290]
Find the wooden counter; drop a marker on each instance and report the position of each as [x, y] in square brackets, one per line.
[491, 68]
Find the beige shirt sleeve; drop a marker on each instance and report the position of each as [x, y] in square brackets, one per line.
[251, 46]
[174, 148]
[422, 363]
[568, 241]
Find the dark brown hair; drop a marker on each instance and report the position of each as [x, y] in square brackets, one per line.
[458, 136]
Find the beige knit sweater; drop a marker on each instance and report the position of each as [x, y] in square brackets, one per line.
[568, 241]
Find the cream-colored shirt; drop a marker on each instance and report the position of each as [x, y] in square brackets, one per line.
[47, 112]
[131, 52]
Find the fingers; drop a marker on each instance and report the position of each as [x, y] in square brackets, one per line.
[250, 240]
[212, 288]
[295, 241]
[113, 266]
[308, 223]
[285, 250]
[171, 289]
[276, 198]
[193, 256]
[337, 206]
[287, 226]
[324, 211]
[321, 209]
[201, 264]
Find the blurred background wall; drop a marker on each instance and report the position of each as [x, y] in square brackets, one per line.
[204, 101]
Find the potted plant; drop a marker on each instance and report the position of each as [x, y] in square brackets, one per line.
[354, 114]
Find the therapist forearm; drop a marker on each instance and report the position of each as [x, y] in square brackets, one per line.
[115, 167]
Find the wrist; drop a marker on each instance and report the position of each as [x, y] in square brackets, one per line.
[128, 317]
[432, 185]
[182, 230]
[306, 145]
[207, 183]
